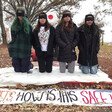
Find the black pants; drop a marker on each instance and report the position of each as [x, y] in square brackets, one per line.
[21, 65]
[45, 62]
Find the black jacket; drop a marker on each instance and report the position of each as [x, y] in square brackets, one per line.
[82, 46]
[36, 43]
[67, 41]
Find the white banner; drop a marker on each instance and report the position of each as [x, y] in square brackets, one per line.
[89, 97]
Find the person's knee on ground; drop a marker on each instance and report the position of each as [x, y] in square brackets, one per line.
[62, 67]
[93, 69]
[25, 63]
[16, 65]
[62, 70]
[49, 64]
[85, 69]
[71, 67]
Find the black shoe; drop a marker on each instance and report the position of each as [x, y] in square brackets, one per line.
[67, 66]
[41, 71]
[48, 71]
[29, 72]
[31, 66]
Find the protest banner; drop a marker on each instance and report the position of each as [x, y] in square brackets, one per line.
[89, 97]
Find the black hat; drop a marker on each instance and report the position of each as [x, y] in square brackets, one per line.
[89, 18]
[65, 13]
[42, 15]
[20, 11]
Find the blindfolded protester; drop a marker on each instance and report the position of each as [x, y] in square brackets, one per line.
[43, 41]
[20, 45]
[89, 45]
[67, 39]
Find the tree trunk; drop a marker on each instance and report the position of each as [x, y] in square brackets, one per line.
[2, 25]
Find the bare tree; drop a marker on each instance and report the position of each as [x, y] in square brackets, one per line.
[101, 13]
[3, 32]
[109, 9]
[34, 7]
[100, 23]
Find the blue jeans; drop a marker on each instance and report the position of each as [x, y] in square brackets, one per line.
[92, 69]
